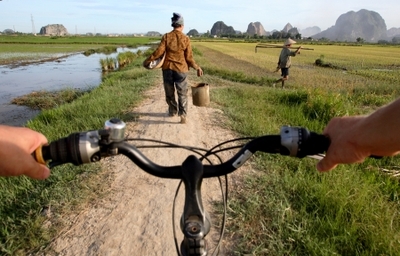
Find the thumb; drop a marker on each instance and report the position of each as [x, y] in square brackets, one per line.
[36, 171]
[324, 165]
[41, 172]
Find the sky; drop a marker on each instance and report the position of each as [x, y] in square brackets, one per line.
[129, 16]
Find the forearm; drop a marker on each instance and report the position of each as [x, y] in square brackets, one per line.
[379, 131]
[355, 138]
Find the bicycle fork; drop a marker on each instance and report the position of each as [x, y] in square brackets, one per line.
[195, 221]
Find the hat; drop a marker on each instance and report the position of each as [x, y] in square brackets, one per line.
[289, 41]
[155, 63]
[177, 19]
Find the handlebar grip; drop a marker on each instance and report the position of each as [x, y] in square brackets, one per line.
[300, 142]
[61, 151]
[313, 145]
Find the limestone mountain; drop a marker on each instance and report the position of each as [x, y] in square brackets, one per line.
[54, 30]
[307, 32]
[220, 28]
[365, 24]
[256, 28]
[392, 32]
[193, 32]
[287, 28]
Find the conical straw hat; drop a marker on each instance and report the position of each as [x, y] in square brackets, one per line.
[289, 41]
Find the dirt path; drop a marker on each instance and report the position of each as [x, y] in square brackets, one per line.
[135, 218]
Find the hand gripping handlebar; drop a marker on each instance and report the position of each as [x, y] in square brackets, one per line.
[91, 146]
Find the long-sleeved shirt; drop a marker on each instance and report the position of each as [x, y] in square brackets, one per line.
[179, 55]
[285, 58]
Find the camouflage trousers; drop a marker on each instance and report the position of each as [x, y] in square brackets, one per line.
[176, 80]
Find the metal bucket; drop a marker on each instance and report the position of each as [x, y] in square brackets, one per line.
[201, 95]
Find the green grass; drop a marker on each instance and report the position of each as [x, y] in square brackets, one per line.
[289, 208]
[91, 40]
[43, 100]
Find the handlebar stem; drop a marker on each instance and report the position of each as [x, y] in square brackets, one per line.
[195, 222]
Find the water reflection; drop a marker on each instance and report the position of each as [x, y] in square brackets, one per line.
[74, 71]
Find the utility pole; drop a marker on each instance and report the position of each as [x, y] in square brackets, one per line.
[33, 26]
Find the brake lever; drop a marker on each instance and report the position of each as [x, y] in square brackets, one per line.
[317, 156]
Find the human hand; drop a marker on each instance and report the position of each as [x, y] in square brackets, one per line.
[146, 62]
[345, 147]
[199, 72]
[16, 147]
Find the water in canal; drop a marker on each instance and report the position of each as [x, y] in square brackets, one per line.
[74, 71]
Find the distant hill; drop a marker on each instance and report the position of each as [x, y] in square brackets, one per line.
[153, 34]
[393, 32]
[220, 28]
[256, 28]
[287, 28]
[364, 24]
[193, 32]
[310, 31]
[54, 30]
[368, 25]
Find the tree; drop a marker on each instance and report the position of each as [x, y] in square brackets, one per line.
[360, 40]
[277, 35]
[396, 40]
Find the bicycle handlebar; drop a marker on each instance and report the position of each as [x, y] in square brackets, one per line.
[91, 146]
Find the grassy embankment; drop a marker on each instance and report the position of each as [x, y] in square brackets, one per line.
[287, 208]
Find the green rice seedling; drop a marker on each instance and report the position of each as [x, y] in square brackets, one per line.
[104, 64]
[122, 59]
[110, 63]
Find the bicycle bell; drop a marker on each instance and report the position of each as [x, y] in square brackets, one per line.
[117, 128]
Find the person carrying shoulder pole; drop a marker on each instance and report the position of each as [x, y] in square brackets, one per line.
[285, 62]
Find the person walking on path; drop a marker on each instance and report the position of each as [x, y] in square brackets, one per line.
[285, 61]
[178, 59]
